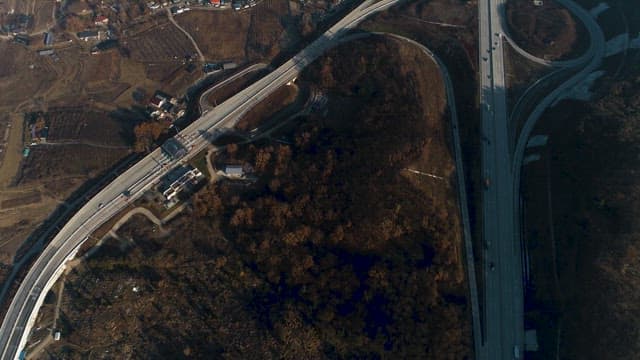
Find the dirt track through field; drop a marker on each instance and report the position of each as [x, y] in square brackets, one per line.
[195, 45]
[13, 153]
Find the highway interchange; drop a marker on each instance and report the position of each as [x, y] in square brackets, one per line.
[503, 330]
[20, 316]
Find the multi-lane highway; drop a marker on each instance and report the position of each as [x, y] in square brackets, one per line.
[503, 330]
[20, 316]
[503, 302]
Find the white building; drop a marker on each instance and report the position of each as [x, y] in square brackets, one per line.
[234, 171]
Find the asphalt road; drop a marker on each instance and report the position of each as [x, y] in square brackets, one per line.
[204, 104]
[503, 297]
[47, 268]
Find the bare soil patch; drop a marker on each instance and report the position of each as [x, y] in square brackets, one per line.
[255, 34]
[219, 35]
[24, 199]
[23, 74]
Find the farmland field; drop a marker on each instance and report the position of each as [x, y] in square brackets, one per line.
[256, 34]
[40, 11]
[47, 161]
[220, 35]
[92, 126]
[22, 74]
[163, 43]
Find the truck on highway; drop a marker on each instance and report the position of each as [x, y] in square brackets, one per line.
[516, 352]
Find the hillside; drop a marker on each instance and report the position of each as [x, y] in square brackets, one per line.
[334, 251]
[592, 306]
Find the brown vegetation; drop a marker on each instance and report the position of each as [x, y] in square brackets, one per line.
[279, 99]
[333, 252]
[548, 31]
[163, 43]
[219, 35]
[147, 133]
[457, 48]
[85, 125]
[49, 161]
[256, 34]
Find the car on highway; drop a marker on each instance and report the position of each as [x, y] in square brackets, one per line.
[492, 266]
[487, 182]
[100, 206]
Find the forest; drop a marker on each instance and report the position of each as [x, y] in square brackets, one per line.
[593, 165]
[334, 251]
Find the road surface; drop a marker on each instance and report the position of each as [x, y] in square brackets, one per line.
[47, 268]
[205, 105]
[503, 330]
[503, 300]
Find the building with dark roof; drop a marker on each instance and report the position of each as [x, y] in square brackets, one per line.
[48, 38]
[88, 35]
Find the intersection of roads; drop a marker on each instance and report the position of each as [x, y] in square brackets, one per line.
[503, 321]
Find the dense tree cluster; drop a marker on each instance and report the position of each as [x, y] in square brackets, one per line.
[596, 195]
[331, 253]
[147, 133]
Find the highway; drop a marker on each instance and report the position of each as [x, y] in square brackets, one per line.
[204, 104]
[503, 301]
[503, 330]
[24, 307]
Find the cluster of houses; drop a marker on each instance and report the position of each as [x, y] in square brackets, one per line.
[213, 67]
[181, 180]
[180, 6]
[165, 107]
[16, 24]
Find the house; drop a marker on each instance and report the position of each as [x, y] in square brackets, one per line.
[45, 52]
[48, 38]
[234, 171]
[104, 46]
[22, 39]
[101, 20]
[157, 101]
[229, 66]
[88, 35]
[211, 67]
